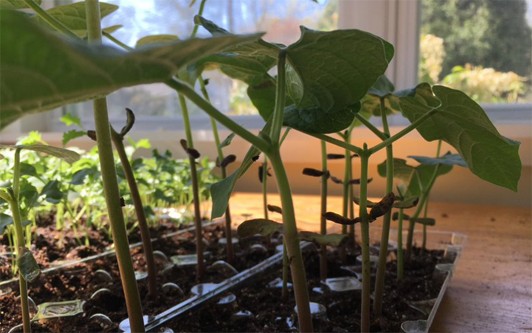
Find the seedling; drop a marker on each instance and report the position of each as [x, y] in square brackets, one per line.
[28, 268]
[316, 100]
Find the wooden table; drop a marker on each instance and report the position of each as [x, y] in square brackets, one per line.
[491, 290]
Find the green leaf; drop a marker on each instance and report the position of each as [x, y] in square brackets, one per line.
[5, 220]
[329, 239]
[73, 16]
[329, 73]
[463, 124]
[262, 227]
[69, 120]
[62, 153]
[221, 191]
[447, 159]
[78, 178]
[382, 87]
[52, 192]
[71, 135]
[28, 194]
[28, 266]
[74, 71]
[227, 141]
[156, 39]
[27, 169]
[16, 4]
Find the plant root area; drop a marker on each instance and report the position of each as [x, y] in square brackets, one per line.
[255, 307]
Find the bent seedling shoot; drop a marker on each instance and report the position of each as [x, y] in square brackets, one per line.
[326, 83]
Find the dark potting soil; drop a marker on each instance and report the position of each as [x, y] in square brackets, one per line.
[255, 309]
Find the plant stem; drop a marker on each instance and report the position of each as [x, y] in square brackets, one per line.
[323, 209]
[364, 230]
[383, 252]
[52, 21]
[110, 184]
[291, 239]
[280, 98]
[200, 267]
[336, 142]
[265, 187]
[403, 132]
[19, 239]
[118, 141]
[191, 94]
[400, 260]
[346, 185]
[228, 220]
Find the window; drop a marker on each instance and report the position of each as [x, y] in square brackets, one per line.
[405, 23]
[482, 47]
[153, 103]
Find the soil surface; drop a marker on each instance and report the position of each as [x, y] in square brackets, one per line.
[256, 308]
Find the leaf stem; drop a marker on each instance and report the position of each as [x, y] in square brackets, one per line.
[280, 98]
[336, 142]
[52, 21]
[191, 94]
[403, 132]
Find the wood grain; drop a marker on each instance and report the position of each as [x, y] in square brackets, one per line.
[491, 290]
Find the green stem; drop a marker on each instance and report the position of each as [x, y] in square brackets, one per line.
[52, 21]
[265, 187]
[118, 141]
[280, 97]
[110, 184]
[383, 252]
[291, 238]
[200, 267]
[323, 209]
[403, 132]
[19, 240]
[346, 186]
[191, 94]
[400, 260]
[371, 127]
[336, 142]
[364, 230]
[228, 220]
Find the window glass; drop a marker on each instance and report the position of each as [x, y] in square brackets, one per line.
[280, 19]
[482, 47]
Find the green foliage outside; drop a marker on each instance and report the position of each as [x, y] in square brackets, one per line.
[489, 40]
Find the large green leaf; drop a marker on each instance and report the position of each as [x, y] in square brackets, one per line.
[463, 124]
[329, 73]
[73, 16]
[39, 70]
[15, 4]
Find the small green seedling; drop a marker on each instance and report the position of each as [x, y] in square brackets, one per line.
[11, 193]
